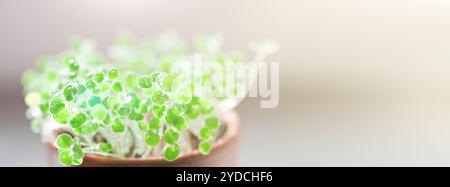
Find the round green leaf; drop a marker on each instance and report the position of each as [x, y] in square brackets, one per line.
[180, 123]
[171, 137]
[65, 157]
[123, 111]
[113, 74]
[154, 123]
[90, 84]
[78, 120]
[64, 141]
[32, 98]
[212, 122]
[93, 100]
[99, 77]
[145, 82]
[192, 111]
[205, 133]
[159, 97]
[172, 152]
[204, 147]
[152, 139]
[105, 148]
[78, 155]
[205, 107]
[118, 126]
[158, 111]
[62, 116]
[69, 92]
[56, 105]
[168, 82]
[117, 87]
[184, 96]
[131, 81]
[142, 126]
[99, 112]
[91, 128]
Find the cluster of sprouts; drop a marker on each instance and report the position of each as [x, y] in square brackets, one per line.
[133, 103]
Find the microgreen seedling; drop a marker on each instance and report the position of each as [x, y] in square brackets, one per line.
[131, 104]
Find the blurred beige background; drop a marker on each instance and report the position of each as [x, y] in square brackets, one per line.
[363, 82]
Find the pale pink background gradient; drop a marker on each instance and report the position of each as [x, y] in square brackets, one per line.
[363, 82]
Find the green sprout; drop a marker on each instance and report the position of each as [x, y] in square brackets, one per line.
[134, 103]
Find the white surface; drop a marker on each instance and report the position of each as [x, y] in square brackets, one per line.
[366, 132]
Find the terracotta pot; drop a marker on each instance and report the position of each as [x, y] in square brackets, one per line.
[223, 153]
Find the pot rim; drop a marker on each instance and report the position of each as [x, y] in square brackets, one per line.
[230, 120]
